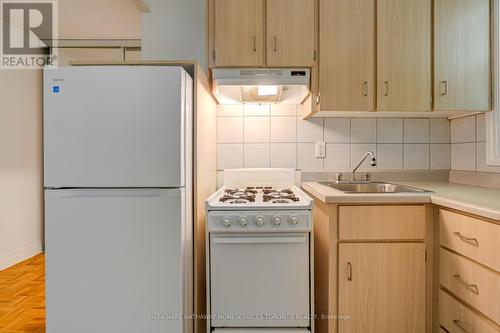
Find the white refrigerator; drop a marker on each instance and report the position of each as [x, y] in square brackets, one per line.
[118, 199]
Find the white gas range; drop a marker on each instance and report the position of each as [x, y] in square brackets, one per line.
[259, 254]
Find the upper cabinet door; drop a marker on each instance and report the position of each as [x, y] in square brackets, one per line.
[239, 33]
[462, 54]
[404, 55]
[290, 33]
[347, 66]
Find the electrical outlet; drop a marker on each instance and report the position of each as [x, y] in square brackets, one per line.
[320, 150]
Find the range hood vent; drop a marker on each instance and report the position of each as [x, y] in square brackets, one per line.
[261, 85]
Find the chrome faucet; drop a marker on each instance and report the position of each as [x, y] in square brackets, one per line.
[373, 162]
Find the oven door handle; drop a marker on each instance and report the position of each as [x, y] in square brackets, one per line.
[259, 240]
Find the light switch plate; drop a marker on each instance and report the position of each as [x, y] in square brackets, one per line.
[320, 150]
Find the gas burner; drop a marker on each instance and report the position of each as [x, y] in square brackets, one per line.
[239, 192]
[274, 192]
[280, 198]
[237, 198]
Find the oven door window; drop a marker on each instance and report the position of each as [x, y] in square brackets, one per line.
[259, 280]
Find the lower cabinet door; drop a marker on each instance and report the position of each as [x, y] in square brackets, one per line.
[382, 287]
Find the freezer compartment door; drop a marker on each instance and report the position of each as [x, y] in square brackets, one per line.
[115, 126]
[117, 261]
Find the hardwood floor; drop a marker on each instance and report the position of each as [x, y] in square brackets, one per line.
[22, 297]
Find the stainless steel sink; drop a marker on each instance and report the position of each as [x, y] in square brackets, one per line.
[372, 187]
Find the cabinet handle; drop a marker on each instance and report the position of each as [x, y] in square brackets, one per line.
[254, 43]
[470, 240]
[365, 88]
[275, 39]
[349, 271]
[386, 85]
[471, 286]
[318, 99]
[444, 88]
[459, 324]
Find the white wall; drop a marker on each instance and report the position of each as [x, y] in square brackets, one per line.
[175, 30]
[20, 165]
[468, 145]
[277, 136]
[99, 19]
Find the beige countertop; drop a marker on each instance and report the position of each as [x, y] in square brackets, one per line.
[480, 201]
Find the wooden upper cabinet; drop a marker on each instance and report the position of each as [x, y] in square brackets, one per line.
[382, 287]
[462, 54]
[290, 33]
[404, 55]
[239, 33]
[347, 55]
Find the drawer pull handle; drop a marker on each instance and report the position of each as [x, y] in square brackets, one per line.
[470, 240]
[459, 324]
[349, 271]
[471, 286]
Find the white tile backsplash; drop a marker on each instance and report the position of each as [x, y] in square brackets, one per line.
[276, 136]
[389, 156]
[283, 129]
[463, 156]
[229, 156]
[440, 156]
[416, 156]
[440, 130]
[306, 158]
[229, 129]
[481, 127]
[357, 152]
[256, 110]
[284, 155]
[257, 155]
[468, 147]
[463, 130]
[257, 129]
[389, 130]
[338, 156]
[310, 130]
[284, 110]
[338, 130]
[416, 130]
[363, 130]
[230, 111]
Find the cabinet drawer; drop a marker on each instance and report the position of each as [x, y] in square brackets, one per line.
[474, 238]
[456, 318]
[381, 222]
[473, 283]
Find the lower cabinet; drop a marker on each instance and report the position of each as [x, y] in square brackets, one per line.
[381, 287]
[373, 268]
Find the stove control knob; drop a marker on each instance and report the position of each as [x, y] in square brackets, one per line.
[227, 222]
[243, 221]
[293, 220]
[276, 220]
[259, 220]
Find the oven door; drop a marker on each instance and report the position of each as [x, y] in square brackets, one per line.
[259, 280]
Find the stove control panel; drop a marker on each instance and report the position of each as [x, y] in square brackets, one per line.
[255, 221]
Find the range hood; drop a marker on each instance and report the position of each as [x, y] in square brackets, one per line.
[261, 85]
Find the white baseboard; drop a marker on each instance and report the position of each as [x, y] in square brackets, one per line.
[21, 254]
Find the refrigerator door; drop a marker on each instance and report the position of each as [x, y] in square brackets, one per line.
[116, 260]
[115, 126]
